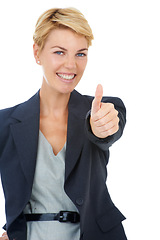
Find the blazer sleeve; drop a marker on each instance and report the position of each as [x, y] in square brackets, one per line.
[105, 143]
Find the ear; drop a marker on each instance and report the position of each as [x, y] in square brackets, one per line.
[36, 53]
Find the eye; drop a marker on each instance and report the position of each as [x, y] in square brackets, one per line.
[81, 54]
[59, 52]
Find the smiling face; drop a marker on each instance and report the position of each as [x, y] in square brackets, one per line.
[63, 59]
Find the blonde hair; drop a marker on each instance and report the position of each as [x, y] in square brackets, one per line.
[61, 18]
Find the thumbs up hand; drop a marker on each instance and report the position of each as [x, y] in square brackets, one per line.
[104, 117]
[4, 236]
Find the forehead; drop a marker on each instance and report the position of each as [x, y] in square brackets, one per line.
[66, 38]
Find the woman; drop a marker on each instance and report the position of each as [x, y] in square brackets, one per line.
[54, 148]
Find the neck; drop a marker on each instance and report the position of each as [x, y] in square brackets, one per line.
[53, 103]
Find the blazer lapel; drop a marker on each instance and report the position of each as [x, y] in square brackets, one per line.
[74, 143]
[25, 134]
[75, 133]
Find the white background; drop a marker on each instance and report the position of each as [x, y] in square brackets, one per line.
[125, 59]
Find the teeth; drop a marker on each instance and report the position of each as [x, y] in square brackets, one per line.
[65, 76]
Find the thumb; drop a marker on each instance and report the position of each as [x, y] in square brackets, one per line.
[96, 104]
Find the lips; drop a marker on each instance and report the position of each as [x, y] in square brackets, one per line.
[66, 76]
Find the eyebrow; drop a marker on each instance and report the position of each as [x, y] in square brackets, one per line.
[83, 49]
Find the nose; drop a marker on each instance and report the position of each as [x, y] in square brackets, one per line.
[70, 62]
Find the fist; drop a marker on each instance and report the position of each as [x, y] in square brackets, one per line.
[104, 119]
[4, 236]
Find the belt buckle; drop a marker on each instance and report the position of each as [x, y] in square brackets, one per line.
[63, 216]
[67, 216]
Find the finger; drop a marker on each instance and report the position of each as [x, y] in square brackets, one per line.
[106, 111]
[107, 116]
[96, 104]
[4, 234]
[112, 130]
[4, 237]
[109, 132]
[108, 119]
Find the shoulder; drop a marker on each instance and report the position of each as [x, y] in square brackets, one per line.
[13, 114]
[29, 106]
[5, 122]
[5, 115]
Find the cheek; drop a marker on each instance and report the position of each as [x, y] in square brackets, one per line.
[82, 66]
[51, 65]
[50, 60]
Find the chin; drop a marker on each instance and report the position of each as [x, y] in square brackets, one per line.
[68, 88]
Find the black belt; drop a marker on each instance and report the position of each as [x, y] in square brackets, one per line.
[62, 216]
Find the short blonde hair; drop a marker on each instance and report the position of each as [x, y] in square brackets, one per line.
[61, 18]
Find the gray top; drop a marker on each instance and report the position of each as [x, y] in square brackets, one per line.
[48, 196]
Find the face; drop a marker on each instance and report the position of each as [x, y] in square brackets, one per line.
[63, 59]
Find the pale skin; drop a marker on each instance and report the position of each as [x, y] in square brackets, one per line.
[4, 236]
[104, 119]
[63, 60]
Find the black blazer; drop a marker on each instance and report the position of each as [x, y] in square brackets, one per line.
[85, 170]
